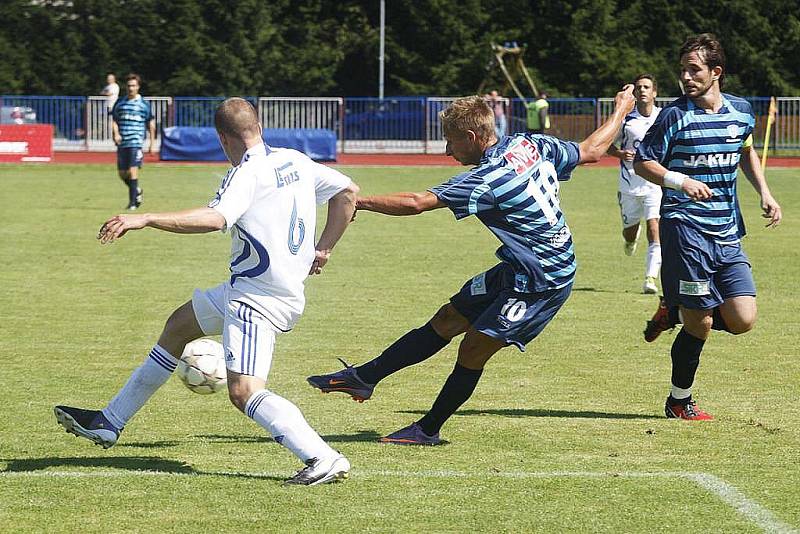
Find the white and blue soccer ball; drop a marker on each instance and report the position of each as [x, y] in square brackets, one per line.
[202, 366]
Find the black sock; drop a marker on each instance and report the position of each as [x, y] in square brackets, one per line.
[719, 322]
[133, 191]
[126, 181]
[455, 392]
[414, 347]
[685, 353]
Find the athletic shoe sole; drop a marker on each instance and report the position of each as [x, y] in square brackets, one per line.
[340, 470]
[71, 426]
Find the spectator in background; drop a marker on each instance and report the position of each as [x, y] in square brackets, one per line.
[498, 106]
[111, 90]
[131, 115]
[538, 119]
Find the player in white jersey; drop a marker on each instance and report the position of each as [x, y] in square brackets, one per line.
[638, 198]
[267, 201]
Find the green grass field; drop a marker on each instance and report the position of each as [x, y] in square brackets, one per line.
[568, 436]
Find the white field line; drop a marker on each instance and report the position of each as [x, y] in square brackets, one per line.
[751, 510]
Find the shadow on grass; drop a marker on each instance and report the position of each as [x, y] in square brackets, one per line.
[128, 463]
[513, 412]
[148, 444]
[360, 435]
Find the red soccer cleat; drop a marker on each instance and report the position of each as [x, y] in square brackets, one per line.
[659, 323]
[688, 411]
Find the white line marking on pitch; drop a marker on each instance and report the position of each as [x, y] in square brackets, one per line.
[751, 510]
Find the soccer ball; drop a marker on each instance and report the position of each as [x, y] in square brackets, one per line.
[202, 366]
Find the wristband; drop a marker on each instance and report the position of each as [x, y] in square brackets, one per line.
[674, 180]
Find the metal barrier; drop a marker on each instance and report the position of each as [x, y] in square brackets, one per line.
[787, 124]
[198, 110]
[65, 113]
[394, 124]
[398, 124]
[308, 112]
[98, 121]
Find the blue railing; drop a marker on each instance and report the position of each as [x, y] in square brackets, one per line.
[198, 110]
[400, 118]
[66, 113]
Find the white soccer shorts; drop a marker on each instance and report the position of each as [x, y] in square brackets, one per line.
[634, 208]
[247, 336]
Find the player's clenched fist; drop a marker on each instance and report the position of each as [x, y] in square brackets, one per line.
[116, 226]
[624, 99]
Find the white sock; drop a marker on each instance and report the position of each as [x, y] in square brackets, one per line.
[680, 393]
[144, 381]
[653, 261]
[286, 424]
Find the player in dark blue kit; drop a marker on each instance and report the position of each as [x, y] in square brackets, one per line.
[693, 150]
[513, 191]
[131, 116]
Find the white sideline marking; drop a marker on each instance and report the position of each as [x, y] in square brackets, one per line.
[727, 493]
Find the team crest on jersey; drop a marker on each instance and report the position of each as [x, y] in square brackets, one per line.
[523, 156]
[733, 132]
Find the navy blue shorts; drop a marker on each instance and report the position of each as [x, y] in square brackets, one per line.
[493, 307]
[129, 157]
[697, 272]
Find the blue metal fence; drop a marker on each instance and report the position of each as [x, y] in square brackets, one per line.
[396, 118]
[66, 113]
[198, 110]
[372, 119]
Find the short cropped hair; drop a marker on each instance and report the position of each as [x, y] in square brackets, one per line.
[647, 76]
[133, 76]
[236, 117]
[468, 113]
[709, 49]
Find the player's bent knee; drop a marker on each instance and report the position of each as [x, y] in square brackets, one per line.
[741, 325]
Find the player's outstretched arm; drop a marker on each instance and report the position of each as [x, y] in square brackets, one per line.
[755, 175]
[191, 221]
[341, 208]
[400, 203]
[593, 147]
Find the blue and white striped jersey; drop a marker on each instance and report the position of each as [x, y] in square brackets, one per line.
[514, 192]
[706, 147]
[132, 116]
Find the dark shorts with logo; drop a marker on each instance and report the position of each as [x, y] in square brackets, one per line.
[129, 157]
[699, 273]
[493, 307]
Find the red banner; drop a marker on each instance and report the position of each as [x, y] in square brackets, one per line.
[26, 142]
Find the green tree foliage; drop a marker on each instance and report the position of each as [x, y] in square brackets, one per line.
[318, 47]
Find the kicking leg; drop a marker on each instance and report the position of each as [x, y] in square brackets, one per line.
[414, 347]
[685, 355]
[475, 350]
[103, 427]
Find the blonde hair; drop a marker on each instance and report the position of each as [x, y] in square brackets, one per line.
[468, 113]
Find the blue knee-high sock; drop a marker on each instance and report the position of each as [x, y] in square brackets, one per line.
[685, 354]
[133, 191]
[455, 392]
[416, 346]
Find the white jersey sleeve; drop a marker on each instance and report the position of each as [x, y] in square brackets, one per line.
[327, 181]
[235, 195]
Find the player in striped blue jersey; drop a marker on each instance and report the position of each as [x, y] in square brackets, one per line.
[513, 190]
[131, 116]
[693, 150]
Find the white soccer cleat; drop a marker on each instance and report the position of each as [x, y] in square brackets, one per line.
[629, 247]
[649, 287]
[321, 471]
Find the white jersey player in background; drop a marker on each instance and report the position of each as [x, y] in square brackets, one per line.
[638, 198]
[267, 202]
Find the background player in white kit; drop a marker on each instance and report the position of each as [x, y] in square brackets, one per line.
[638, 198]
[267, 201]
